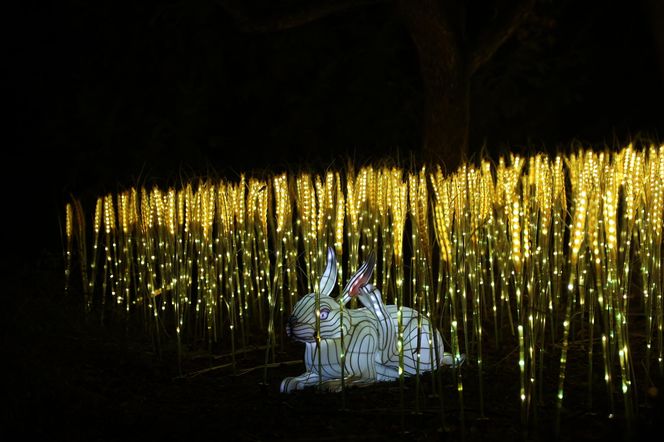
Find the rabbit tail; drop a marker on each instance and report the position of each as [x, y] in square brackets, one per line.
[447, 358]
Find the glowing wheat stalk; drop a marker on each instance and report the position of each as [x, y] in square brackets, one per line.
[632, 187]
[147, 262]
[227, 258]
[559, 210]
[595, 238]
[69, 232]
[95, 251]
[606, 271]
[456, 279]
[383, 202]
[320, 225]
[248, 245]
[420, 259]
[282, 215]
[544, 200]
[475, 213]
[109, 230]
[242, 227]
[305, 217]
[124, 261]
[353, 217]
[504, 247]
[178, 240]
[80, 235]
[398, 212]
[577, 237]
[258, 199]
[656, 214]
[372, 226]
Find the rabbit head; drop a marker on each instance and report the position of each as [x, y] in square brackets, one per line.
[301, 324]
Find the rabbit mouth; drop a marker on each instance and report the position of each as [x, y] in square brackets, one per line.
[300, 332]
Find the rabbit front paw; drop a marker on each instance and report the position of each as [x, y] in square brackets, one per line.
[291, 384]
[287, 385]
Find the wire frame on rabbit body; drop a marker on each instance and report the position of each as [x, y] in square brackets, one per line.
[369, 348]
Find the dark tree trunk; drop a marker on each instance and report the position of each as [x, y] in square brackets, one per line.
[446, 112]
[437, 35]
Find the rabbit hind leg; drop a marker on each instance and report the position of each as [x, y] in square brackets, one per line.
[335, 385]
[386, 373]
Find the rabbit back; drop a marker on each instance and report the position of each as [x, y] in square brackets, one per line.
[427, 342]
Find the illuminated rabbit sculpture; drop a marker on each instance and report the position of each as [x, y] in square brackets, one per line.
[370, 335]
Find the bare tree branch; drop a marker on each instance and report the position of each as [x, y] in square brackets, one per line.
[309, 11]
[493, 37]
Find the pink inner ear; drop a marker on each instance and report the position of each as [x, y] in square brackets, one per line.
[360, 280]
[362, 277]
[354, 289]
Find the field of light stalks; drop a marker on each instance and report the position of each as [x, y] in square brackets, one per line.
[531, 251]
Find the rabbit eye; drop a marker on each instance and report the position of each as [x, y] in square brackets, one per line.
[323, 313]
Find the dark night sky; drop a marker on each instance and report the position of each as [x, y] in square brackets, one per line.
[110, 93]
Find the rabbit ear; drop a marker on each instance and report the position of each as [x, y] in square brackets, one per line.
[329, 277]
[362, 276]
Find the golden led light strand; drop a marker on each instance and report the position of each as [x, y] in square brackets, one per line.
[576, 239]
[69, 238]
[80, 235]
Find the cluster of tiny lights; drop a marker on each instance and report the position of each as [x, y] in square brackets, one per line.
[537, 252]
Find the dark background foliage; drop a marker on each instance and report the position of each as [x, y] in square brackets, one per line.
[112, 91]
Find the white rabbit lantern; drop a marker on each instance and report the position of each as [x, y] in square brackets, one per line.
[370, 335]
